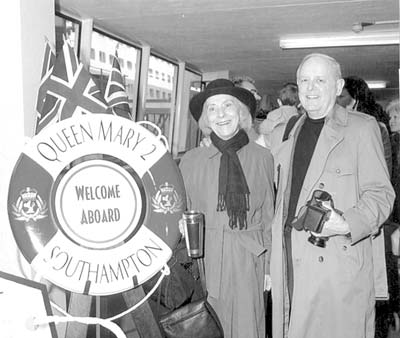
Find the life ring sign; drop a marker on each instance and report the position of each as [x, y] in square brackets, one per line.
[94, 203]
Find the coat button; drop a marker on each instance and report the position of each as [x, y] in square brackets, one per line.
[338, 171]
[321, 185]
[344, 247]
[320, 259]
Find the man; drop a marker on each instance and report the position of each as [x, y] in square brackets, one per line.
[248, 83]
[328, 291]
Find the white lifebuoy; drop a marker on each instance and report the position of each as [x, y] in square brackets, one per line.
[94, 203]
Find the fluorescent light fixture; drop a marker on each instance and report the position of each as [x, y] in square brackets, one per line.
[376, 84]
[371, 38]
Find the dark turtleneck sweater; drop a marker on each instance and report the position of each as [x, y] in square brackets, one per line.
[303, 152]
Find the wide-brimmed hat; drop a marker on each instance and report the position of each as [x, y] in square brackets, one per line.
[221, 86]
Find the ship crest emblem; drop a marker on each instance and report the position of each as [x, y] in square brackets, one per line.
[166, 200]
[29, 206]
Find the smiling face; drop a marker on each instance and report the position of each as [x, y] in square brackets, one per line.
[223, 113]
[318, 86]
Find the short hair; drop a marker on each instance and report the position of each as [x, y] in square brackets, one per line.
[289, 94]
[238, 80]
[245, 120]
[335, 65]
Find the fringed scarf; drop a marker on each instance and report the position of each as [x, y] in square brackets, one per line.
[233, 191]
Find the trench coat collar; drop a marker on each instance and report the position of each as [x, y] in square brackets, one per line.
[331, 135]
[338, 115]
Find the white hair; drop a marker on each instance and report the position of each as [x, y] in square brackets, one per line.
[334, 64]
[393, 106]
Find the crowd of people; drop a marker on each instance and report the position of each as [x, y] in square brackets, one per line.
[302, 206]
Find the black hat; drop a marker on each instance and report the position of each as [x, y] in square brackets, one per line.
[221, 86]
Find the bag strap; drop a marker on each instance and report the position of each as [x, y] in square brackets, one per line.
[289, 126]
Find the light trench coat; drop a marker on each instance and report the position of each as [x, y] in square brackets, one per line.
[235, 260]
[334, 288]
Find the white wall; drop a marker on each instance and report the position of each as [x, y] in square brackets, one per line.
[24, 26]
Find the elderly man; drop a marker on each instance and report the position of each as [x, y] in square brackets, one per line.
[325, 288]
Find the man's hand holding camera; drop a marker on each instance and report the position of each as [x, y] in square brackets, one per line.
[320, 218]
[335, 225]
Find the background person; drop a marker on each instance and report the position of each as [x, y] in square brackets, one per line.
[328, 291]
[356, 95]
[248, 83]
[393, 110]
[272, 128]
[231, 182]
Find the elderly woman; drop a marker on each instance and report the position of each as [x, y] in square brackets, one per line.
[231, 182]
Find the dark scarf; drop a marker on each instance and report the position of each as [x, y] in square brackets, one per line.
[233, 191]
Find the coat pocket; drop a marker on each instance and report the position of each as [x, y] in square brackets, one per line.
[349, 256]
[341, 182]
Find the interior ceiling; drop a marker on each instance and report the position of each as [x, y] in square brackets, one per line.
[243, 36]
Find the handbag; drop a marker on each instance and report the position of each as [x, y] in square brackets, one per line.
[196, 319]
[180, 287]
[193, 320]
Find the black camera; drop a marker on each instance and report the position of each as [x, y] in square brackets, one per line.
[313, 216]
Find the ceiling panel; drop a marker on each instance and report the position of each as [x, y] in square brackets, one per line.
[243, 36]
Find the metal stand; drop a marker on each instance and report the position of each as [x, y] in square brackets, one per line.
[143, 319]
[200, 265]
[79, 306]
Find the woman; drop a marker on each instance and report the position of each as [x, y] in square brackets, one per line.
[357, 95]
[231, 182]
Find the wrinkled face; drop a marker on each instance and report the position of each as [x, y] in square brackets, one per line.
[250, 87]
[345, 100]
[223, 113]
[394, 121]
[318, 87]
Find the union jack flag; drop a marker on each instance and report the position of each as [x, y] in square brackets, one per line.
[115, 94]
[70, 90]
[47, 68]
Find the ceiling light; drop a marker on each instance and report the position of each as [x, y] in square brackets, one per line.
[376, 84]
[371, 38]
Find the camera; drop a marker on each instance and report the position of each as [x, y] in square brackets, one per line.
[313, 216]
